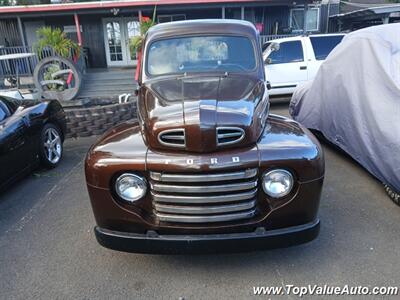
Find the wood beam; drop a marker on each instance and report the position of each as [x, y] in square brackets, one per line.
[78, 29]
[21, 31]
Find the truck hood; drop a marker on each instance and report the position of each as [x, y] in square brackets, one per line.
[200, 108]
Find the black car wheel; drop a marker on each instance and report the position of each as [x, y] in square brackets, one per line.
[392, 194]
[51, 146]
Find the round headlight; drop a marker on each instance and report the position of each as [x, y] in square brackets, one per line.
[130, 187]
[277, 183]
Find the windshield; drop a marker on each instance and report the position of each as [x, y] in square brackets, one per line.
[200, 54]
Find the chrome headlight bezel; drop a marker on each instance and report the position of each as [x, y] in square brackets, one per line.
[140, 181]
[281, 172]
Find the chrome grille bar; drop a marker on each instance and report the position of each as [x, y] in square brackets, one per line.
[228, 135]
[168, 177]
[206, 218]
[201, 210]
[232, 187]
[166, 198]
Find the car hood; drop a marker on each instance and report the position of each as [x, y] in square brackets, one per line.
[198, 106]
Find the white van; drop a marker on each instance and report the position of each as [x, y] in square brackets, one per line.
[291, 61]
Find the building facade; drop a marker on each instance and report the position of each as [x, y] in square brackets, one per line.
[107, 27]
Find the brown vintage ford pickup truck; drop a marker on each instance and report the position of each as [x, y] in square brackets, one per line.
[205, 168]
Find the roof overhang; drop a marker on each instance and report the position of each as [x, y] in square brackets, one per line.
[82, 7]
[369, 13]
[127, 5]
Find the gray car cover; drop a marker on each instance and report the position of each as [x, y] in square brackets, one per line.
[354, 100]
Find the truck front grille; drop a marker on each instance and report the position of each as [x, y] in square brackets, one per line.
[205, 197]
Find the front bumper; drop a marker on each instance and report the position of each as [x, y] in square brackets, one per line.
[152, 243]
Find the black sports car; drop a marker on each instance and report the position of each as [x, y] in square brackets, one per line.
[31, 132]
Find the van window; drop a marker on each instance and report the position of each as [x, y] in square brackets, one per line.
[323, 45]
[265, 46]
[288, 52]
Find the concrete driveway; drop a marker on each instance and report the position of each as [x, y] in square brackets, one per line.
[48, 250]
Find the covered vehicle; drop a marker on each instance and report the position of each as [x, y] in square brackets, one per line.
[354, 101]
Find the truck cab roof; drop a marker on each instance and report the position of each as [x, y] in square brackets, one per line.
[209, 26]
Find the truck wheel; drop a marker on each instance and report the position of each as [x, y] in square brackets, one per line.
[51, 146]
[392, 194]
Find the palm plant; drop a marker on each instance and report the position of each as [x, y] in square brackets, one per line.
[56, 40]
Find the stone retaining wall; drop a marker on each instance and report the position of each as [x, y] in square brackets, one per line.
[83, 122]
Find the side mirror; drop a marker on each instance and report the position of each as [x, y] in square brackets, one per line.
[269, 85]
[274, 46]
[271, 48]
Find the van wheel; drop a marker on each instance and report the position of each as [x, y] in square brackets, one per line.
[392, 194]
[51, 146]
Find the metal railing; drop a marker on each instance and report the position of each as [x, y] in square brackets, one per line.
[266, 38]
[26, 66]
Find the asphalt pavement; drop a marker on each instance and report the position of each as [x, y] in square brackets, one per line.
[48, 249]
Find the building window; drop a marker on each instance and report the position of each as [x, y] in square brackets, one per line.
[297, 19]
[233, 13]
[171, 18]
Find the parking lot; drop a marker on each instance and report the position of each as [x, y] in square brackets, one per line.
[48, 249]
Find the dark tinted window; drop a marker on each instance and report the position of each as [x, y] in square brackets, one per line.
[10, 105]
[265, 46]
[287, 53]
[323, 45]
[201, 54]
[3, 114]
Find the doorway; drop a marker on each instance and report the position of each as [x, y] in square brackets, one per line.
[118, 37]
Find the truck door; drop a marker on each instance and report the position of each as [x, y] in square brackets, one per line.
[287, 67]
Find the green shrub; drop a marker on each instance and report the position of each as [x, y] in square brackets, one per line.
[56, 40]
